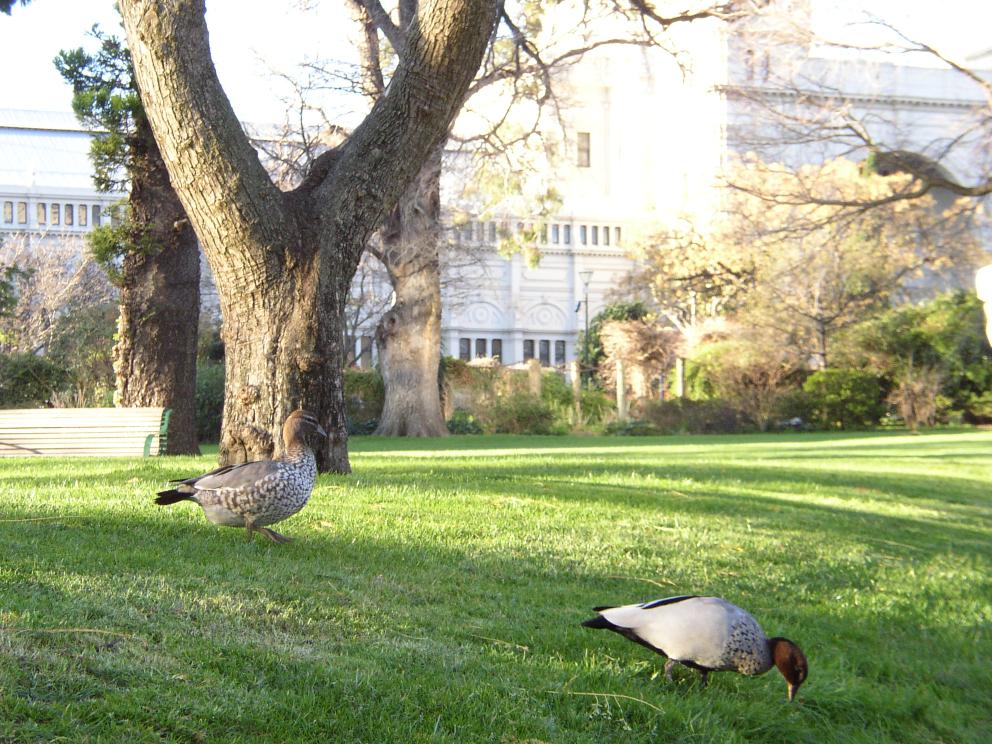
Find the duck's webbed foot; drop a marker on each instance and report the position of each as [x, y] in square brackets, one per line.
[704, 677]
[273, 535]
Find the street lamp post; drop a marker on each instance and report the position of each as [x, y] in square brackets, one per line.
[585, 277]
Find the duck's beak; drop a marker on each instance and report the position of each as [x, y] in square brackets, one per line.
[792, 691]
[320, 430]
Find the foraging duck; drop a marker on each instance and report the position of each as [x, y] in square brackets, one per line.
[706, 633]
[255, 494]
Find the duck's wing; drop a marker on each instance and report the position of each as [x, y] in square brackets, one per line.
[685, 628]
[232, 476]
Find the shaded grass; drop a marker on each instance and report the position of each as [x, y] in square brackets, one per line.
[435, 594]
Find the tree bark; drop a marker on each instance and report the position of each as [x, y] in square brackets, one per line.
[409, 333]
[155, 354]
[283, 261]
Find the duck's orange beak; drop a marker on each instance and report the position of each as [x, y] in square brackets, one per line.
[792, 691]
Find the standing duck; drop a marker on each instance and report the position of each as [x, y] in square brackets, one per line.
[255, 494]
[706, 633]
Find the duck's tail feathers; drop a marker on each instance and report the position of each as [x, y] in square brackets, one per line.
[172, 496]
[599, 622]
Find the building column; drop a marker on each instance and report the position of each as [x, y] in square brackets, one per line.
[516, 351]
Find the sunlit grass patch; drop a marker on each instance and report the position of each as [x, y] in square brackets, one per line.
[435, 594]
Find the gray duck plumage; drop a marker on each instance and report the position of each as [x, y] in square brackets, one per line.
[705, 633]
[255, 494]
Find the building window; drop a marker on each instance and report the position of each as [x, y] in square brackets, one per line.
[554, 234]
[559, 353]
[583, 153]
[22, 213]
[583, 234]
[8, 212]
[616, 236]
[41, 211]
[480, 347]
[465, 348]
[95, 212]
[492, 232]
[568, 235]
[544, 234]
[545, 353]
[528, 350]
[606, 235]
[82, 215]
[595, 235]
[56, 214]
[69, 213]
[497, 349]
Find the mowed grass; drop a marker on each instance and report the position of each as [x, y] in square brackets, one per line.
[436, 593]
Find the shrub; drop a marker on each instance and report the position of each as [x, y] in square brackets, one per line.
[555, 390]
[364, 396]
[595, 404]
[794, 403]
[631, 428]
[617, 311]
[946, 334]
[209, 400]
[751, 372]
[83, 344]
[844, 398]
[27, 380]
[362, 428]
[463, 422]
[917, 398]
[522, 413]
[684, 416]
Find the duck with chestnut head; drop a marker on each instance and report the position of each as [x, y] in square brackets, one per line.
[708, 634]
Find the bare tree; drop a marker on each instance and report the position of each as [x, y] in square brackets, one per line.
[55, 281]
[794, 108]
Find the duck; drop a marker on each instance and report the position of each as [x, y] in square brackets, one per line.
[708, 634]
[259, 493]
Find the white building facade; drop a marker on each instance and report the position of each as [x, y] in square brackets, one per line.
[643, 139]
[46, 184]
[647, 139]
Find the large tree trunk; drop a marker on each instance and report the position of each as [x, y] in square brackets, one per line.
[283, 350]
[155, 354]
[409, 333]
[283, 261]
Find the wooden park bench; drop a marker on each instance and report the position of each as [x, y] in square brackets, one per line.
[83, 431]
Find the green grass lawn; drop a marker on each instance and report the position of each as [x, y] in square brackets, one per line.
[436, 593]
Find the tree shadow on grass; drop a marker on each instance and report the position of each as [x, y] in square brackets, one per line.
[338, 628]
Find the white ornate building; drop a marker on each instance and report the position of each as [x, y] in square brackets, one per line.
[643, 141]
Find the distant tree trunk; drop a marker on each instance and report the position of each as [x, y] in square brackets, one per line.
[821, 343]
[283, 261]
[409, 340]
[409, 333]
[155, 354]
